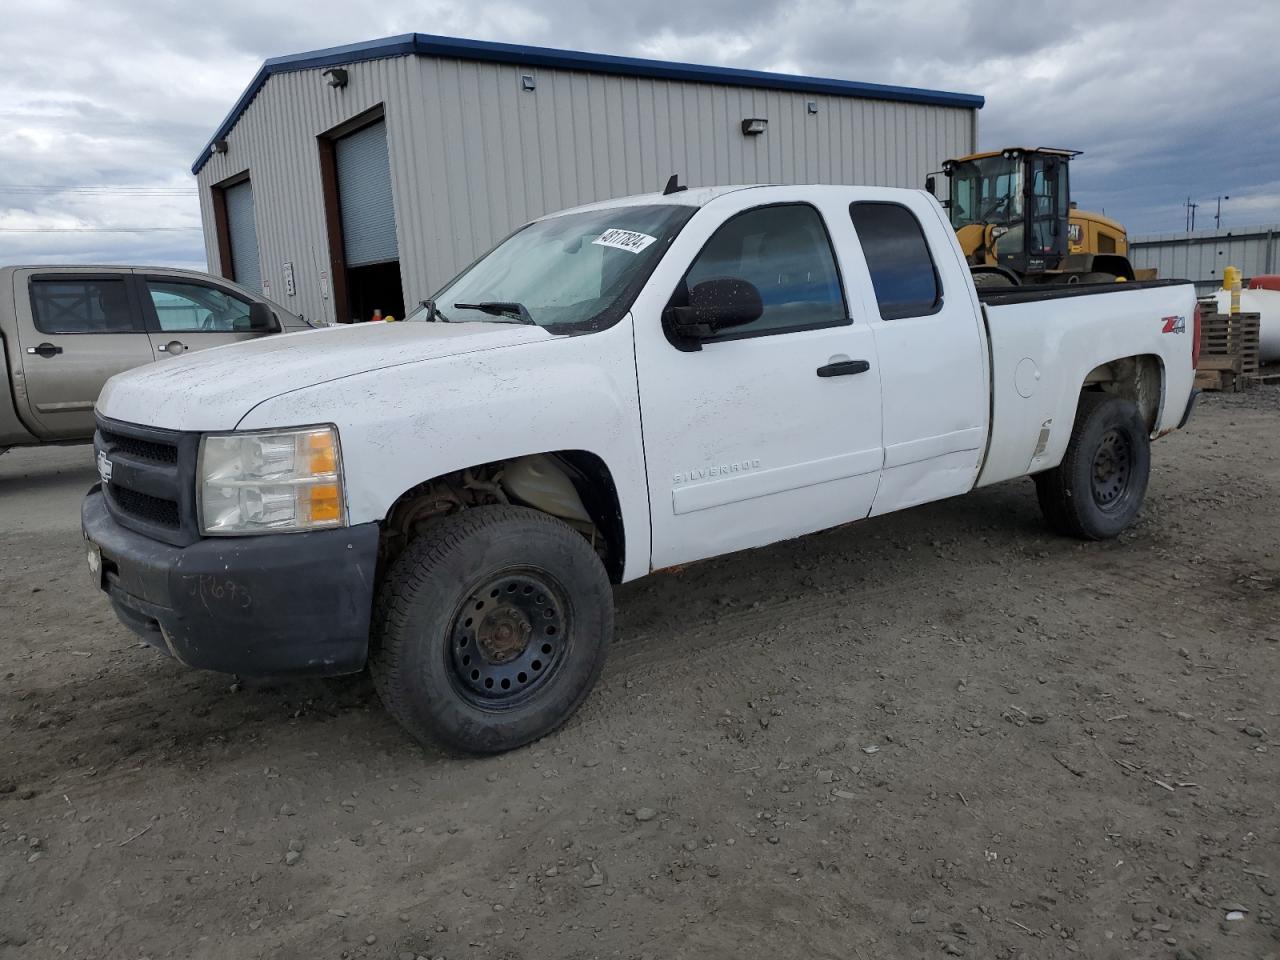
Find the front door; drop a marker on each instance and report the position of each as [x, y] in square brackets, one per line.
[771, 429]
[76, 330]
[185, 314]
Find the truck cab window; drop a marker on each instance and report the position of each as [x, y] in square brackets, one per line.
[196, 308]
[82, 306]
[902, 270]
[785, 252]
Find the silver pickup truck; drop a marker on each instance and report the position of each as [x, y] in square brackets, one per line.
[64, 331]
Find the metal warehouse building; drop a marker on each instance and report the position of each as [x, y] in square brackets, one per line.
[363, 177]
[1201, 256]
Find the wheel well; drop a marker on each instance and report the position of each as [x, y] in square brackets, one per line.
[1140, 379]
[572, 485]
[1112, 263]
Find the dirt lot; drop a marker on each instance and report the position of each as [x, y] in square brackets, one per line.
[939, 733]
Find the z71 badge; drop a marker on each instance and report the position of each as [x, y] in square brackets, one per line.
[1174, 325]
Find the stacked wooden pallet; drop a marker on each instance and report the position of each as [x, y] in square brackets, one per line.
[1228, 349]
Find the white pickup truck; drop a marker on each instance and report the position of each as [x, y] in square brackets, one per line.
[610, 391]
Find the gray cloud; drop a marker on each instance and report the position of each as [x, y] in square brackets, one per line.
[1167, 99]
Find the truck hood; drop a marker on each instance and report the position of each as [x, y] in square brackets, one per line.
[214, 389]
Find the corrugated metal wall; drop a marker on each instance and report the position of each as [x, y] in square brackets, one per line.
[473, 155]
[1201, 256]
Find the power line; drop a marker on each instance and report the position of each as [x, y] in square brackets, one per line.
[99, 229]
[132, 191]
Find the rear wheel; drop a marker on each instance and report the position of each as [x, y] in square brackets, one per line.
[491, 629]
[1098, 489]
[1097, 277]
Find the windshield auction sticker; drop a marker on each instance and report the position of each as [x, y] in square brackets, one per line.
[627, 240]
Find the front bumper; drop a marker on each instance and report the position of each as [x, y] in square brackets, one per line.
[276, 605]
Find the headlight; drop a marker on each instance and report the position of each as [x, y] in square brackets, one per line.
[278, 481]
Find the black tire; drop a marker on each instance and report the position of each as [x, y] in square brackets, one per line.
[1097, 490]
[983, 279]
[1097, 276]
[494, 587]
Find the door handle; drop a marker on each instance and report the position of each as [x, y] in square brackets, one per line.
[844, 368]
[45, 350]
[172, 347]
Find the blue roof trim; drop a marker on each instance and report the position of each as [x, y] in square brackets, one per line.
[432, 46]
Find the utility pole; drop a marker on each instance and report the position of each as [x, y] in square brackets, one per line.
[1191, 214]
[1217, 217]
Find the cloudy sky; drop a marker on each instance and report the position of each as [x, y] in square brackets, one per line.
[103, 105]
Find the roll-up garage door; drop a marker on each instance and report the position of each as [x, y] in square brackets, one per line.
[243, 236]
[364, 197]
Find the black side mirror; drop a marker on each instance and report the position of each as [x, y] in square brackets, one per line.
[930, 183]
[715, 305]
[262, 318]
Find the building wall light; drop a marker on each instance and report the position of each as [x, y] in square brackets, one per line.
[337, 77]
[753, 126]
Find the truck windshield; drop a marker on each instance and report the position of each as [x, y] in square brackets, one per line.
[988, 190]
[576, 272]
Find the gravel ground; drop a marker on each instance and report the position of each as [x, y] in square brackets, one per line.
[941, 733]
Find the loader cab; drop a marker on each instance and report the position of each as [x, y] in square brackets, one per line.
[1010, 208]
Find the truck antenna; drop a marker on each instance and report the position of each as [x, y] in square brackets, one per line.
[673, 185]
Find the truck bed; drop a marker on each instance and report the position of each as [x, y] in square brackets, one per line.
[1001, 296]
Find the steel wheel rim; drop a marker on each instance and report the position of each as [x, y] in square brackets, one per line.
[1112, 469]
[508, 638]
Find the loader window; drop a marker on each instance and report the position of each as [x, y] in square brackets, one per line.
[902, 270]
[988, 190]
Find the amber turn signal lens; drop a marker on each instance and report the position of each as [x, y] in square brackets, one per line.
[325, 502]
[322, 457]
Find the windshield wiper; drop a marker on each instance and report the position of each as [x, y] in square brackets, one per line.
[433, 313]
[500, 308]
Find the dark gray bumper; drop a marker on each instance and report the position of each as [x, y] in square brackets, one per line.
[273, 605]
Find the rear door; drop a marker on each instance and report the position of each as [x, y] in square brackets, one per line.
[929, 338]
[76, 330]
[185, 314]
[772, 429]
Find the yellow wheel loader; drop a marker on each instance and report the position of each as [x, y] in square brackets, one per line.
[1013, 215]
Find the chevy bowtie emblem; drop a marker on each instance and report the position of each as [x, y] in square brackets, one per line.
[104, 468]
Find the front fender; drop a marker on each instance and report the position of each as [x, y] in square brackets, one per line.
[403, 425]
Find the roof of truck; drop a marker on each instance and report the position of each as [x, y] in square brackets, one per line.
[106, 267]
[428, 45]
[701, 196]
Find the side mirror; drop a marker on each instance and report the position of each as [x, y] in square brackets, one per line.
[262, 318]
[930, 184]
[715, 305]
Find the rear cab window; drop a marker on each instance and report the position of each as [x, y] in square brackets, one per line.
[902, 270]
[71, 305]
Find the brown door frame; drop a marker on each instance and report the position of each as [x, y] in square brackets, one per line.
[328, 151]
[221, 225]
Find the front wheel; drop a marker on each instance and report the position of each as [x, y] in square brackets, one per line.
[491, 629]
[1098, 489]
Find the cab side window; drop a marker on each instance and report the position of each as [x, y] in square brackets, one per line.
[902, 271]
[785, 252]
[82, 306]
[196, 308]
